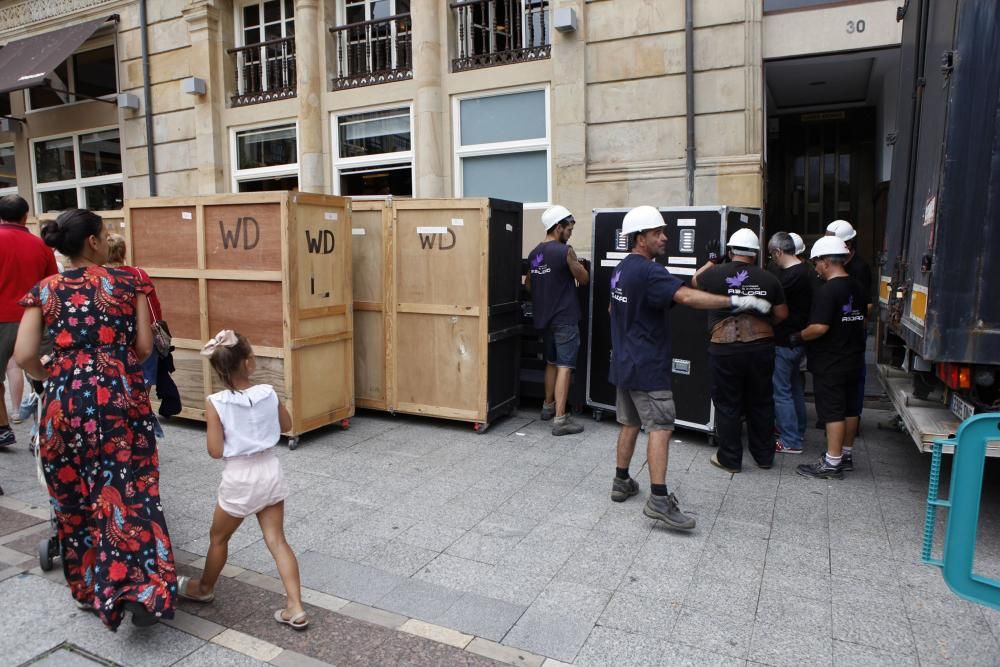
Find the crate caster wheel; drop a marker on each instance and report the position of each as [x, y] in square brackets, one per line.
[293, 443]
[713, 440]
[598, 415]
[345, 424]
[47, 550]
[480, 428]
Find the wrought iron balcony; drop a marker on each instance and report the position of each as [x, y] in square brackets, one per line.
[500, 32]
[373, 52]
[264, 71]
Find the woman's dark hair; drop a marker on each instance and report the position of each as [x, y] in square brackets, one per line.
[71, 229]
[227, 360]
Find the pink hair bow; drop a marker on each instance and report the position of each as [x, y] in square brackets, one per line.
[225, 338]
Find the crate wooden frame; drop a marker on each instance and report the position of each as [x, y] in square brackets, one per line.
[296, 378]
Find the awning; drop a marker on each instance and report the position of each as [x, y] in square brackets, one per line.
[29, 62]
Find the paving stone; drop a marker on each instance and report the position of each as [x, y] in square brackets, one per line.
[600, 560]
[211, 655]
[641, 615]
[402, 649]
[789, 644]
[66, 657]
[607, 646]
[234, 600]
[345, 579]
[399, 558]
[419, 599]
[874, 626]
[481, 616]
[506, 654]
[381, 617]
[550, 634]
[846, 654]
[12, 521]
[713, 631]
[940, 644]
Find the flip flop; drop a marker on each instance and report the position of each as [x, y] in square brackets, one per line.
[182, 584]
[299, 621]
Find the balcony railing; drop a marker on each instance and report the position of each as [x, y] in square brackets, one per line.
[500, 32]
[264, 71]
[373, 52]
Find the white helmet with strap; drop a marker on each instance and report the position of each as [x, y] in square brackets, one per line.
[641, 219]
[554, 215]
[744, 241]
[826, 246]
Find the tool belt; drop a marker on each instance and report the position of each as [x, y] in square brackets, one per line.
[741, 328]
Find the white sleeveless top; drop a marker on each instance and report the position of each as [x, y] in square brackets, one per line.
[249, 419]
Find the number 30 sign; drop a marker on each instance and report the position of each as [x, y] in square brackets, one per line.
[855, 26]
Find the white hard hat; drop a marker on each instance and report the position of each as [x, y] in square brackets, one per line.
[842, 229]
[744, 239]
[640, 219]
[554, 215]
[800, 245]
[828, 245]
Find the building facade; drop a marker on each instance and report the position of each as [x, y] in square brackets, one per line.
[580, 102]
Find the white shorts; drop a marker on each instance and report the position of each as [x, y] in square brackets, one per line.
[251, 483]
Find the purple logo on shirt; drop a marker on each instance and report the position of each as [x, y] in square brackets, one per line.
[849, 306]
[614, 279]
[738, 279]
[537, 260]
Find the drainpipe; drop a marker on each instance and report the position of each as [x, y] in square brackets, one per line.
[689, 80]
[150, 158]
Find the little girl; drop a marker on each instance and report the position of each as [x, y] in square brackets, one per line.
[245, 422]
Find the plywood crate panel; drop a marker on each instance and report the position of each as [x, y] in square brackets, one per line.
[273, 266]
[372, 262]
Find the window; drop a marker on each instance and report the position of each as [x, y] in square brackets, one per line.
[502, 146]
[8, 172]
[90, 73]
[374, 153]
[372, 43]
[265, 60]
[266, 159]
[79, 170]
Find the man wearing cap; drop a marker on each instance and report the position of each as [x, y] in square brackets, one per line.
[642, 291]
[742, 352]
[835, 350]
[24, 260]
[789, 394]
[553, 275]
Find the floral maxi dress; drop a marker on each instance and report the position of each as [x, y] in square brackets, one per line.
[97, 445]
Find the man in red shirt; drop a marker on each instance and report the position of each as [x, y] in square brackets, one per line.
[24, 260]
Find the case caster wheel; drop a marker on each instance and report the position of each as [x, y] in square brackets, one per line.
[45, 553]
[293, 443]
[345, 424]
[480, 427]
[598, 415]
[713, 440]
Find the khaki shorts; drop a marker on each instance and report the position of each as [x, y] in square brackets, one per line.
[653, 410]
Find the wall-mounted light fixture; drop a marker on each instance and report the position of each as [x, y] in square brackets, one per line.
[128, 101]
[193, 86]
[564, 19]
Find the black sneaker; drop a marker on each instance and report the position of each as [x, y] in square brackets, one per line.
[623, 489]
[6, 436]
[822, 470]
[664, 508]
[847, 462]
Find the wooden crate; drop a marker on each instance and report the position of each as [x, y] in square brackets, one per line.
[371, 247]
[444, 340]
[273, 266]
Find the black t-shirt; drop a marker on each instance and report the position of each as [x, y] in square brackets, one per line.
[642, 292]
[797, 283]
[553, 288]
[858, 269]
[841, 303]
[739, 278]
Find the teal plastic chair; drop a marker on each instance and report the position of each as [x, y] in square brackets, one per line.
[963, 509]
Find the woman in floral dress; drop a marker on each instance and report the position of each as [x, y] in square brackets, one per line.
[96, 433]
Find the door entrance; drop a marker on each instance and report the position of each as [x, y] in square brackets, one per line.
[821, 167]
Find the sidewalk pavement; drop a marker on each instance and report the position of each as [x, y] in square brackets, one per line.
[421, 542]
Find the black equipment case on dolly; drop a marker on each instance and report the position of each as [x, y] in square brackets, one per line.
[689, 230]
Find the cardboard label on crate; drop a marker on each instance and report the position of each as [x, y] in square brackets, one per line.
[457, 222]
[330, 215]
[432, 230]
[744, 219]
[686, 222]
[186, 215]
[509, 227]
[358, 231]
